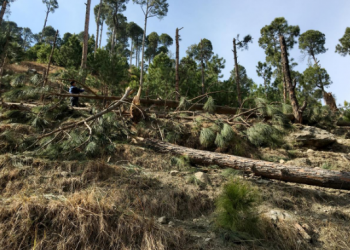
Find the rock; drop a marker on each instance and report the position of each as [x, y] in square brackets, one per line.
[299, 162]
[263, 181]
[282, 161]
[174, 172]
[310, 151]
[163, 220]
[312, 137]
[32, 71]
[171, 224]
[202, 177]
[278, 216]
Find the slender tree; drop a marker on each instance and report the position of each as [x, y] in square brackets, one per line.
[51, 6]
[86, 39]
[343, 48]
[269, 41]
[116, 7]
[27, 38]
[291, 85]
[312, 43]
[134, 32]
[263, 70]
[238, 44]
[201, 52]
[4, 6]
[166, 41]
[152, 42]
[150, 8]
[97, 11]
[177, 78]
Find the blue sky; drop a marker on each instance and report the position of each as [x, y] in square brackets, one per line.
[219, 21]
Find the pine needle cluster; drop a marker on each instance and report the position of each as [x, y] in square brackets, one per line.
[235, 207]
[320, 116]
[209, 106]
[219, 134]
[262, 134]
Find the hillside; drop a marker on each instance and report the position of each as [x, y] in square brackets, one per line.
[133, 197]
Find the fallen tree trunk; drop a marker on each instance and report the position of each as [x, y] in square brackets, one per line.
[310, 176]
[159, 103]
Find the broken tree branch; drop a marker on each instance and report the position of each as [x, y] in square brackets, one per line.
[110, 108]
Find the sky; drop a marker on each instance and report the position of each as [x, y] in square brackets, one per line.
[219, 21]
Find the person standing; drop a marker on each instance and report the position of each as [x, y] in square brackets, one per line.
[75, 91]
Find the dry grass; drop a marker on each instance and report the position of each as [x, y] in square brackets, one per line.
[88, 205]
[39, 67]
[87, 220]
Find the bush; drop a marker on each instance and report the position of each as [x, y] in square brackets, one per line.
[235, 205]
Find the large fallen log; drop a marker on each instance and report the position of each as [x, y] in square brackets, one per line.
[303, 175]
[159, 103]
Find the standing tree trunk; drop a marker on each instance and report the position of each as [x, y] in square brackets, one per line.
[47, 15]
[202, 68]
[86, 35]
[3, 59]
[297, 111]
[47, 71]
[101, 34]
[112, 42]
[131, 52]
[177, 78]
[98, 27]
[239, 95]
[86, 40]
[285, 87]
[3, 9]
[143, 54]
[327, 97]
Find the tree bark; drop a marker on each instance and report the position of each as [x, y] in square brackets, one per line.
[2, 12]
[239, 95]
[302, 175]
[327, 97]
[101, 34]
[49, 64]
[86, 40]
[98, 28]
[3, 59]
[47, 15]
[143, 48]
[131, 52]
[112, 42]
[86, 35]
[202, 68]
[177, 78]
[291, 87]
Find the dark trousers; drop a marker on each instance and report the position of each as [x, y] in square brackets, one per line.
[74, 101]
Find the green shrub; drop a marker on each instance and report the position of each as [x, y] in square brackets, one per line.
[235, 207]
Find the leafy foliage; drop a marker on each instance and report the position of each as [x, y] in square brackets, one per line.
[343, 48]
